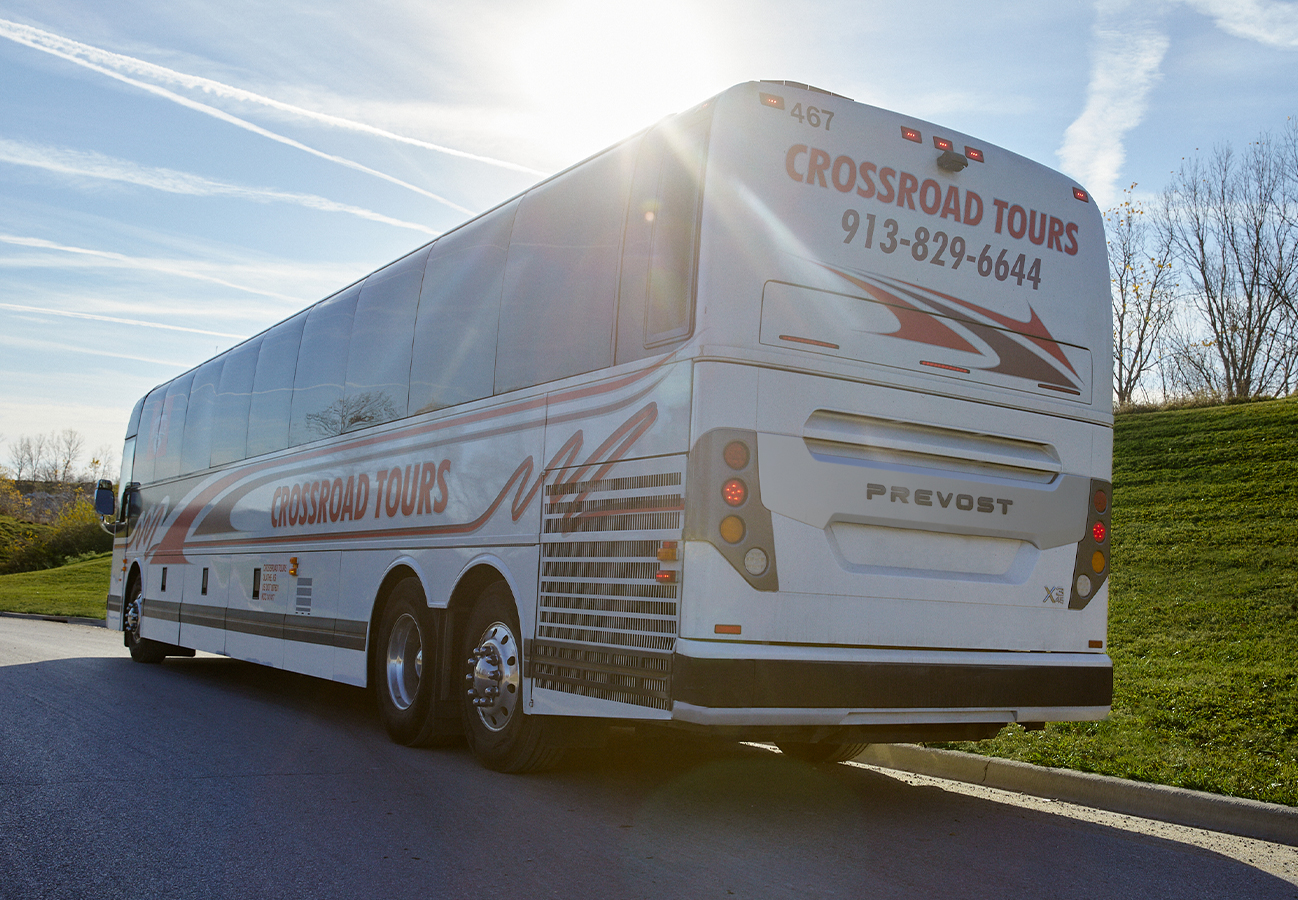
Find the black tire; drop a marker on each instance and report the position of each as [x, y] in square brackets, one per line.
[500, 735]
[405, 666]
[823, 752]
[142, 649]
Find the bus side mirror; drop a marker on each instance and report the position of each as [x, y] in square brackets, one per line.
[105, 503]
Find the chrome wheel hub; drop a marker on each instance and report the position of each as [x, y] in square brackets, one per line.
[494, 675]
[131, 623]
[405, 662]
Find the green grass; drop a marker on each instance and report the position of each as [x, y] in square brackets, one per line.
[79, 589]
[1203, 609]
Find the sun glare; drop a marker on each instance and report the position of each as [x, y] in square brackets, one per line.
[591, 73]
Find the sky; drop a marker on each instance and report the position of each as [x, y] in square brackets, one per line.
[176, 176]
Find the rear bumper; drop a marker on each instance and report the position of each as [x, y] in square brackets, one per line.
[764, 685]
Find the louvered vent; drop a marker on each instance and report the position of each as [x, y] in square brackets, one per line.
[606, 626]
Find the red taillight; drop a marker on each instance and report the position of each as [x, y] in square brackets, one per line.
[1097, 532]
[1101, 501]
[911, 134]
[734, 492]
[735, 454]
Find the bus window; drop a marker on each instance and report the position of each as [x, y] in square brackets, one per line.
[657, 283]
[171, 428]
[454, 354]
[318, 410]
[146, 446]
[561, 278]
[230, 430]
[272, 387]
[378, 361]
[197, 452]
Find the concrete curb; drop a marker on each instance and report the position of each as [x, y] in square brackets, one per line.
[67, 620]
[1196, 809]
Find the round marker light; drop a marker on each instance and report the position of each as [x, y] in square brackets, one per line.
[1083, 586]
[735, 454]
[1097, 561]
[1097, 532]
[755, 561]
[734, 492]
[1101, 501]
[732, 529]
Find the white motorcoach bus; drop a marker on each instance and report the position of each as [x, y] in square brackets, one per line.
[787, 419]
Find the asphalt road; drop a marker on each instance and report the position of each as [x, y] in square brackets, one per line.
[215, 778]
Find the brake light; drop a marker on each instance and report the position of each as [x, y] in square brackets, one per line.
[734, 492]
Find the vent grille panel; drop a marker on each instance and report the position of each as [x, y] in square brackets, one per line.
[606, 627]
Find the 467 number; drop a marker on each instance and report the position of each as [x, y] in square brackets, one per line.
[814, 116]
[934, 246]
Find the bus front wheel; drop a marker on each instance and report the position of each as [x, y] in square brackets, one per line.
[500, 735]
[142, 649]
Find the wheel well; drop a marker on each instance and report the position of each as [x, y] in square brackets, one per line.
[470, 586]
[132, 579]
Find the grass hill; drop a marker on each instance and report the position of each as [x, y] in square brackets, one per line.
[1203, 609]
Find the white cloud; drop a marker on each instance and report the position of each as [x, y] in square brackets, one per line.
[76, 51]
[72, 52]
[70, 314]
[94, 165]
[1126, 57]
[107, 258]
[1270, 23]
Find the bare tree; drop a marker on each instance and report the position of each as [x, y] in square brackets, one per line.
[1140, 268]
[65, 449]
[1230, 220]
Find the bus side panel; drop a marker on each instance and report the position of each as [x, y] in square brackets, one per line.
[606, 616]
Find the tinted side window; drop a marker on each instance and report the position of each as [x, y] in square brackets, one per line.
[230, 433]
[133, 426]
[657, 284]
[454, 355]
[171, 428]
[272, 387]
[560, 288]
[197, 454]
[318, 409]
[378, 360]
[146, 444]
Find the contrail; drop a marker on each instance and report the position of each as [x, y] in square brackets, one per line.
[120, 260]
[67, 49]
[68, 314]
[15, 33]
[95, 165]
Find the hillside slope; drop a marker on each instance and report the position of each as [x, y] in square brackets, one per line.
[1203, 612]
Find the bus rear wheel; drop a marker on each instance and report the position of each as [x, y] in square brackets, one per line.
[500, 735]
[821, 752]
[405, 666]
[142, 649]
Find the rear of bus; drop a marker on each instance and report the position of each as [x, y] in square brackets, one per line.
[898, 504]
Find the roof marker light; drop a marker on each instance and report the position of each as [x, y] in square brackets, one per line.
[911, 134]
[973, 154]
[771, 100]
[1081, 195]
[942, 143]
